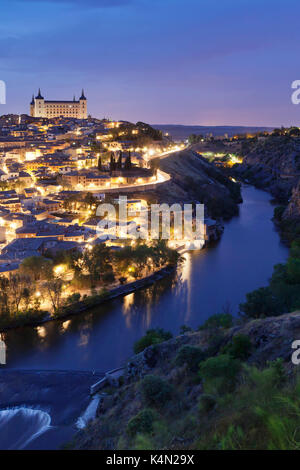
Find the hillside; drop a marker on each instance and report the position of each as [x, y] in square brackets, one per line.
[292, 211]
[194, 178]
[272, 163]
[210, 389]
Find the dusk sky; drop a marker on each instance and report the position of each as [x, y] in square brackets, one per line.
[206, 62]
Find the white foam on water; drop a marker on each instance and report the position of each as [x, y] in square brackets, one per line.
[19, 426]
[89, 414]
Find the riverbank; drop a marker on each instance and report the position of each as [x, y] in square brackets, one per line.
[92, 301]
[286, 215]
[72, 306]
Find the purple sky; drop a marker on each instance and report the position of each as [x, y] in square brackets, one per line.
[206, 62]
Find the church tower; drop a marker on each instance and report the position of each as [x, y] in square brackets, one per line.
[39, 103]
[32, 107]
[83, 106]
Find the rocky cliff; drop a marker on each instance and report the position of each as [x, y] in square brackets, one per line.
[272, 163]
[292, 211]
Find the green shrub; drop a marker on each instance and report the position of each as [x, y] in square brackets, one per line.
[215, 343]
[141, 423]
[220, 320]
[22, 318]
[293, 270]
[261, 303]
[73, 298]
[189, 355]
[220, 372]
[288, 293]
[109, 277]
[239, 348]
[154, 336]
[279, 375]
[103, 293]
[143, 442]
[155, 391]
[263, 412]
[278, 212]
[295, 249]
[184, 329]
[91, 300]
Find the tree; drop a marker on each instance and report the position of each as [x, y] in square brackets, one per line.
[149, 131]
[112, 165]
[219, 320]
[261, 303]
[123, 259]
[119, 162]
[75, 262]
[195, 138]
[190, 355]
[294, 131]
[293, 270]
[28, 297]
[162, 254]
[295, 249]
[128, 164]
[220, 372]
[141, 423]
[13, 291]
[97, 262]
[70, 202]
[16, 290]
[155, 390]
[53, 289]
[4, 298]
[240, 347]
[153, 336]
[90, 200]
[140, 257]
[36, 267]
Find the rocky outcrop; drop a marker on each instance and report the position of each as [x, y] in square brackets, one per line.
[272, 163]
[292, 211]
[271, 338]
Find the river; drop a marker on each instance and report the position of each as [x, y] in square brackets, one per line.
[209, 281]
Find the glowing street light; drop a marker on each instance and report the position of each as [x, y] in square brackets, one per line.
[60, 269]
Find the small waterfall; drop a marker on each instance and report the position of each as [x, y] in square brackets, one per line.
[19, 426]
[90, 413]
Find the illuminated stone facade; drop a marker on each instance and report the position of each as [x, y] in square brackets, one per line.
[39, 107]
